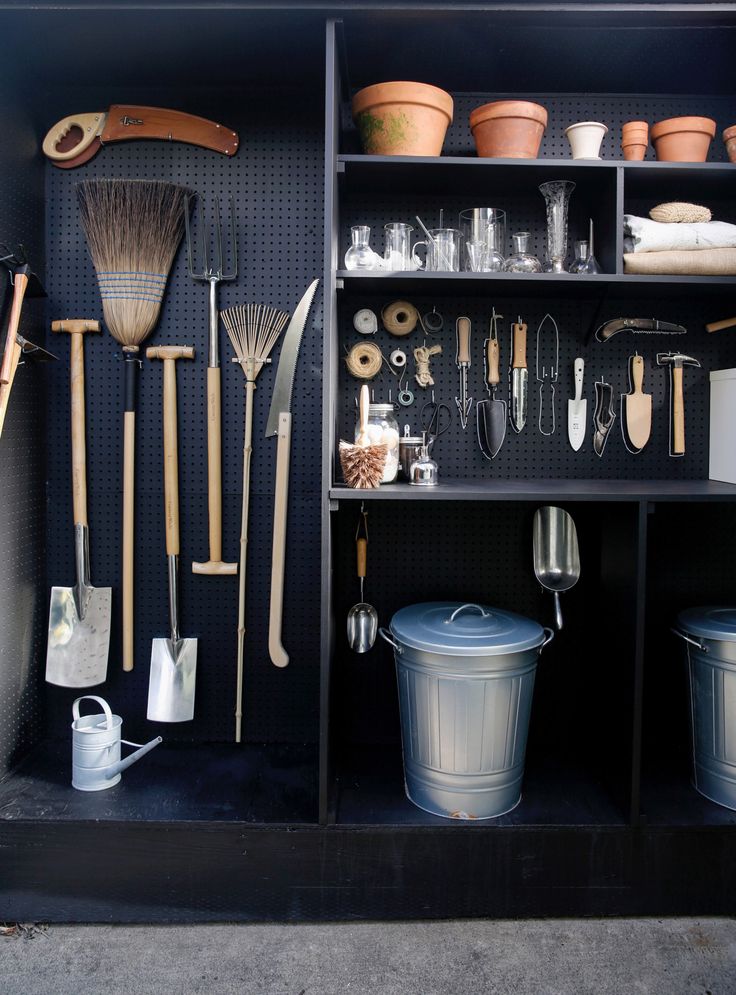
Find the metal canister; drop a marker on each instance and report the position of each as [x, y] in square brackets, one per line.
[466, 675]
[410, 449]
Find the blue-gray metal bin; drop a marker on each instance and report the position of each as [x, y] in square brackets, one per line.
[465, 674]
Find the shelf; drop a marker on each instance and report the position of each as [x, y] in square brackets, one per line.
[545, 490]
[665, 180]
[262, 784]
[669, 799]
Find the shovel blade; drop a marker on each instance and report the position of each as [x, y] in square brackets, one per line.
[491, 424]
[171, 686]
[78, 648]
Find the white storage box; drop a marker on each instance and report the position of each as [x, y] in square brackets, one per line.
[723, 426]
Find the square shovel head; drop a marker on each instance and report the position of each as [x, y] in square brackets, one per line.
[78, 648]
[173, 674]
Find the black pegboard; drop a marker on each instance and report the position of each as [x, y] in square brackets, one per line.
[276, 182]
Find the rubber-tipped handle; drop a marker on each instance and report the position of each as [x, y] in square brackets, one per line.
[519, 347]
[463, 340]
[492, 361]
[637, 373]
[361, 549]
[678, 413]
[717, 326]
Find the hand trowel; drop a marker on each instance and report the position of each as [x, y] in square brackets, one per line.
[79, 616]
[491, 413]
[577, 408]
[636, 423]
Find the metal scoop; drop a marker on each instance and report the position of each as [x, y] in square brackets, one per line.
[556, 554]
[362, 618]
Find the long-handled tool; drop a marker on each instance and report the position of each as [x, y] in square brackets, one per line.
[253, 331]
[362, 618]
[133, 230]
[519, 376]
[491, 413]
[462, 360]
[676, 361]
[279, 423]
[636, 415]
[213, 273]
[174, 660]
[79, 616]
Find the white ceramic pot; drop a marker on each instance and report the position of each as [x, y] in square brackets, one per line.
[585, 139]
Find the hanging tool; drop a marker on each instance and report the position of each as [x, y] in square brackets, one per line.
[25, 284]
[213, 273]
[639, 326]
[462, 360]
[174, 660]
[519, 376]
[123, 122]
[491, 413]
[556, 553]
[362, 618]
[604, 415]
[548, 376]
[279, 423]
[676, 361]
[577, 408]
[79, 616]
[636, 416]
[435, 418]
[718, 326]
[253, 331]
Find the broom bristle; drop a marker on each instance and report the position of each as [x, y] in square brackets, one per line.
[133, 230]
[362, 466]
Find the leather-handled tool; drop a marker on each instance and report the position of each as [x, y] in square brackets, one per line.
[676, 361]
[636, 423]
[123, 122]
[639, 326]
[519, 376]
[491, 413]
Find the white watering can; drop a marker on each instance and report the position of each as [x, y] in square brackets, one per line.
[96, 762]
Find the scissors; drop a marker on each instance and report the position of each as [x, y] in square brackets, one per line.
[436, 419]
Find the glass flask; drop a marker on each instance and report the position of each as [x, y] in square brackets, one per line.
[521, 260]
[360, 255]
[581, 255]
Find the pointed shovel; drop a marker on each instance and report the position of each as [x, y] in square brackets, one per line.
[79, 616]
[174, 660]
[491, 413]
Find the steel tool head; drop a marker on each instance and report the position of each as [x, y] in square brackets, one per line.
[676, 359]
[79, 637]
[172, 681]
[282, 388]
[212, 268]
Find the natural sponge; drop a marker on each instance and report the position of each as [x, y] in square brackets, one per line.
[678, 211]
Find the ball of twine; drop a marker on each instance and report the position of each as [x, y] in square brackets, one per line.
[677, 211]
[400, 318]
[364, 360]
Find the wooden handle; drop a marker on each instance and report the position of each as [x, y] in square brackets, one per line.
[363, 409]
[89, 124]
[678, 413]
[76, 326]
[170, 352]
[128, 535]
[14, 352]
[79, 445]
[519, 347]
[361, 549]
[214, 461]
[637, 373]
[171, 460]
[463, 340]
[278, 654]
[717, 326]
[20, 283]
[492, 364]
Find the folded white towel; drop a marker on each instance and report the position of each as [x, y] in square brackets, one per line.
[643, 235]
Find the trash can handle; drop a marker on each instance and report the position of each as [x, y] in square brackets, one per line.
[385, 634]
[693, 642]
[550, 636]
[462, 608]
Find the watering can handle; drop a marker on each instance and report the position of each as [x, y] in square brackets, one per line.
[100, 701]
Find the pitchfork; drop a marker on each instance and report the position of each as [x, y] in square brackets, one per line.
[213, 273]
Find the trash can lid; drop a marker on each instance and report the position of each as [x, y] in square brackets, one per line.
[709, 622]
[464, 629]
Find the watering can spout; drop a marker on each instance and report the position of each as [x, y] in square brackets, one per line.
[114, 769]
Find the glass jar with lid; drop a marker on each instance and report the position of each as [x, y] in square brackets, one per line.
[383, 428]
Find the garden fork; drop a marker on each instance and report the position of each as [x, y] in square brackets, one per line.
[213, 273]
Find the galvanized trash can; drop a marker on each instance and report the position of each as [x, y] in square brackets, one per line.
[466, 675]
[710, 635]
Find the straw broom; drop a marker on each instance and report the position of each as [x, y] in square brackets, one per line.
[133, 230]
[253, 330]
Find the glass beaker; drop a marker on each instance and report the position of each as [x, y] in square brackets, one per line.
[486, 227]
[397, 254]
[443, 251]
[360, 255]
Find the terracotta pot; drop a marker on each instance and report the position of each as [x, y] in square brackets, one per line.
[402, 118]
[729, 137]
[683, 139]
[508, 129]
[635, 139]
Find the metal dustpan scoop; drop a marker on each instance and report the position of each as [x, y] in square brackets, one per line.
[556, 553]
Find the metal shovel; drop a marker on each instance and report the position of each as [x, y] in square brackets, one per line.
[174, 660]
[556, 554]
[491, 413]
[79, 616]
[362, 618]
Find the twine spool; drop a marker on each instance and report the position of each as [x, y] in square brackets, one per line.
[399, 318]
[364, 360]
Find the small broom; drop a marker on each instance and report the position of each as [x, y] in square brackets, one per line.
[253, 330]
[363, 463]
[133, 230]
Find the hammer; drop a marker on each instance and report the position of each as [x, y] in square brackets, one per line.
[676, 361]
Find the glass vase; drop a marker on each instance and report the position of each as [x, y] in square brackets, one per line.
[557, 197]
[360, 255]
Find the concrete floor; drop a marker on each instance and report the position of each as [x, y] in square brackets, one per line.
[552, 957]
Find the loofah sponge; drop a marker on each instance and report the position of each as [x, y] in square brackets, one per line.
[678, 211]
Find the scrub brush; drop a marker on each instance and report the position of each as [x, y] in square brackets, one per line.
[363, 463]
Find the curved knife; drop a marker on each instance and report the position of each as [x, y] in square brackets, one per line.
[123, 122]
[642, 326]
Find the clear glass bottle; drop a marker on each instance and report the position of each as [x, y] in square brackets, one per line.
[581, 255]
[521, 260]
[383, 428]
[360, 255]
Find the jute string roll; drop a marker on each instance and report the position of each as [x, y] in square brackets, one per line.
[364, 360]
[400, 318]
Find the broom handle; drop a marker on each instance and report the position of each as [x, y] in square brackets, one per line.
[131, 384]
[214, 461]
[247, 451]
